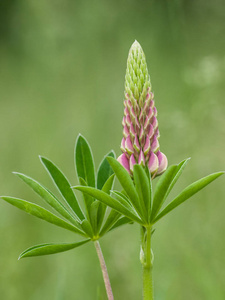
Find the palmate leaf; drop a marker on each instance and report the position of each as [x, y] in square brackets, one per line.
[110, 201]
[165, 185]
[46, 249]
[63, 186]
[127, 183]
[187, 193]
[48, 197]
[42, 213]
[84, 161]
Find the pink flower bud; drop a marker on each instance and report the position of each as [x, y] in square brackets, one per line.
[124, 161]
[162, 162]
[132, 162]
[153, 163]
[129, 146]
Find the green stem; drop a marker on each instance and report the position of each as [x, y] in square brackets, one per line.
[104, 271]
[146, 261]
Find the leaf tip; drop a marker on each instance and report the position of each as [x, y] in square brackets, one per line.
[80, 136]
[221, 173]
[113, 153]
[42, 158]
[76, 187]
[110, 158]
[16, 173]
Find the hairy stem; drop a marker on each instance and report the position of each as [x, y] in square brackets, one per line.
[104, 271]
[146, 260]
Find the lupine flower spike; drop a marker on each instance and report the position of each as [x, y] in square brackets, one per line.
[140, 143]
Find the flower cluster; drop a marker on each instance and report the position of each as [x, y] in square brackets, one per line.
[140, 143]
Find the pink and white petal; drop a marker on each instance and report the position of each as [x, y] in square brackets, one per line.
[125, 131]
[128, 121]
[132, 131]
[147, 122]
[150, 113]
[155, 144]
[132, 162]
[136, 144]
[124, 161]
[163, 162]
[129, 146]
[151, 131]
[154, 122]
[141, 159]
[147, 145]
[153, 163]
[122, 146]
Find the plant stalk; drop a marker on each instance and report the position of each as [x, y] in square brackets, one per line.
[146, 261]
[104, 271]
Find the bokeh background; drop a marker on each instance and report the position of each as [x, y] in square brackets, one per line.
[62, 67]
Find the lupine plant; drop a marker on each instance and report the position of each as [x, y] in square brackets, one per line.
[140, 162]
[105, 209]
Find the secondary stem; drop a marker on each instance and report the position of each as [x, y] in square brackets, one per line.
[104, 271]
[147, 265]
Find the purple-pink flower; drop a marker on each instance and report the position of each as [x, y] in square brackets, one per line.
[140, 143]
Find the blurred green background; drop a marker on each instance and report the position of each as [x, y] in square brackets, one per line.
[62, 67]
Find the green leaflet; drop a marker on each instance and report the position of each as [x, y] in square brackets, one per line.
[96, 209]
[165, 185]
[88, 200]
[187, 193]
[111, 202]
[142, 186]
[122, 199]
[104, 171]
[48, 197]
[63, 186]
[46, 249]
[87, 228]
[94, 216]
[120, 222]
[108, 185]
[110, 221]
[84, 161]
[42, 213]
[123, 195]
[126, 182]
[102, 207]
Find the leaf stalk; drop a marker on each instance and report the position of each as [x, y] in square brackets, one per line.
[104, 271]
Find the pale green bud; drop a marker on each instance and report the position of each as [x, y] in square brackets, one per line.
[137, 79]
